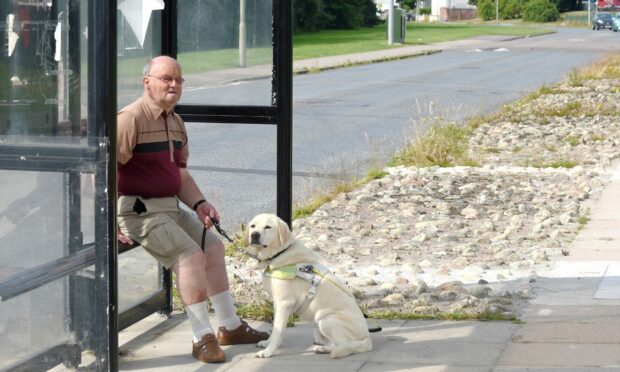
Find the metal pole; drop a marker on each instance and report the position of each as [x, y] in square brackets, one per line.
[242, 59]
[283, 99]
[589, 13]
[391, 23]
[496, 10]
[102, 115]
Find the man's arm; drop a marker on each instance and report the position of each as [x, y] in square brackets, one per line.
[190, 194]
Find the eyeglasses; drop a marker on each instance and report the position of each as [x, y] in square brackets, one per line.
[169, 79]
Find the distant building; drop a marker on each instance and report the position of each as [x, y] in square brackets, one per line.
[452, 10]
[441, 10]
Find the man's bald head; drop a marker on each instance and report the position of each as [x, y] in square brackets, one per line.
[163, 81]
[159, 59]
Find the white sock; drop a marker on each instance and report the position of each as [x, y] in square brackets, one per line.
[199, 319]
[225, 311]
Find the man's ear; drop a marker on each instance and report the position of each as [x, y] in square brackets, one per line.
[283, 231]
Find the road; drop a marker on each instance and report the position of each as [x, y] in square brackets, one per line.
[347, 120]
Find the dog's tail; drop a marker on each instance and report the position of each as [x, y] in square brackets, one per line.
[351, 347]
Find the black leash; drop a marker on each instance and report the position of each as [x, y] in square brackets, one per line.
[221, 231]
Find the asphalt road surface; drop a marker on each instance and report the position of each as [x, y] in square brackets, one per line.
[347, 120]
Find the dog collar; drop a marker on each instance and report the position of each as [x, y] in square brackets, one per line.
[276, 255]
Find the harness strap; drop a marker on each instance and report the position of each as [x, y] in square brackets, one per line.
[312, 273]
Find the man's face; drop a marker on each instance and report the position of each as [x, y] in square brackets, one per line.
[162, 82]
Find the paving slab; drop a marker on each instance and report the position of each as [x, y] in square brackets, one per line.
[454, 353]
[565, 332]
[594, 313]
[595, 249]
[552, 369]
[408, 367]
[427, 331]
[561, 355]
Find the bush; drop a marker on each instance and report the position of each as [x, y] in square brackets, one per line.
[425, 11]
[316, 15]
[511, 9]
[540, 11]
[309, 15]
[486, 9]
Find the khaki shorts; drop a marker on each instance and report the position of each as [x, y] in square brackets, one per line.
[168, 232]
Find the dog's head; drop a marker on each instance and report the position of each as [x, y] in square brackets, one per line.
[267, 235]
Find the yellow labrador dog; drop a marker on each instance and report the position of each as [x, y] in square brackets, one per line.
[299, 284]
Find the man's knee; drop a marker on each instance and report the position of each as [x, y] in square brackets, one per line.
[216, 249]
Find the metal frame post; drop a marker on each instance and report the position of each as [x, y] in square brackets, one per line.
[102, 115]
[283, 99]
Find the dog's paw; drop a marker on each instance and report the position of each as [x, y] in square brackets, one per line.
[263, 343]
[321, 349]
[266, 353]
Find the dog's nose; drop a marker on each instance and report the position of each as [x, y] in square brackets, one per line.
[255, 237]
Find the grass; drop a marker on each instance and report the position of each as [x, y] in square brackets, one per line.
[442, 145]
[336, 42]
[605, 68]
[262, 312]
[552, 164]
[583, 221]
[487, 316]
[329, 43]
[572, 140]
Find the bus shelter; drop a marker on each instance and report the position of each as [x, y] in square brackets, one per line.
[66, 286]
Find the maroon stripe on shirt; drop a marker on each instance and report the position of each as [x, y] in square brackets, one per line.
[150, 174]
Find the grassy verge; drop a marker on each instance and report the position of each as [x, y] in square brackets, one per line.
[393, 315]
[332, 42]
[336, 42]
[264, 312]
[442, 145]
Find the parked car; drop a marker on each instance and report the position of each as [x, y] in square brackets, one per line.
[615, 23]
[602, 20]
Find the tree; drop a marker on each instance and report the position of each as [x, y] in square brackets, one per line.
[315, 15]
[310, 15]
[540, 11]
[486, 9]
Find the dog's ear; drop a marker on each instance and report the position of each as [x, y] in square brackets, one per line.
[284, 232]
[247, 233]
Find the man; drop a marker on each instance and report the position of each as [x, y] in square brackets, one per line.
[152, 179]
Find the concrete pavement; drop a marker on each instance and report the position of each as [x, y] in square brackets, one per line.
[572, 322]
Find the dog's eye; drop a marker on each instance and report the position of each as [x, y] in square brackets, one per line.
[252, 226]
[267, 227]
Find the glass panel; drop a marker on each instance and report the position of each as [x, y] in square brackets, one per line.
[138, 40]
[40, 75]
[138, 277]
[239, 180]
[33, 323]
[31, 201]
[46, 217]
[217, 55]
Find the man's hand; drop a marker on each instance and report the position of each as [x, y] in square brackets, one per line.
[206, 213]
[123, 238]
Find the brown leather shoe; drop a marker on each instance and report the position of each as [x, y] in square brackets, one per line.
[207, 350]
[244, 334]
